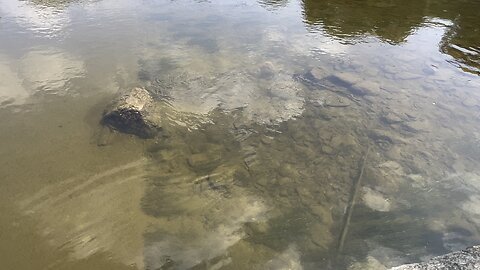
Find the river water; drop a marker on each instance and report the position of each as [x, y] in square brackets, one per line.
[296, 134]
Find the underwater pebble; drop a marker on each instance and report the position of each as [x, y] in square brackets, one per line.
[327, 149]
[320, 235]
[391, 118]
[317, 73]
[369, 263]
[375, 200]
[346, 78]
[365, 88]
[202, 161]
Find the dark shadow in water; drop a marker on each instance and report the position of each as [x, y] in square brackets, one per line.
[391, 21]
[462, 40]
[394, 21]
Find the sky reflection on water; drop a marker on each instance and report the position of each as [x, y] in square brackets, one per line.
[270, 108]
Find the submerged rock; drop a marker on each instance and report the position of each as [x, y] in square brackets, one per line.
[103, 136]
[131, 113]
[266, 71]
[363, 88]
[203, 161]
[391, 118]
[468, 259]
[346, 79]
[369, 263]
[355, 84]
[375, 200]
[313, 77]
[329, 99]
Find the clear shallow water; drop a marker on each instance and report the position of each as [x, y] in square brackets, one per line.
[257, 165]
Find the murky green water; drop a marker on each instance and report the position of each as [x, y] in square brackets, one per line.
[262, 162]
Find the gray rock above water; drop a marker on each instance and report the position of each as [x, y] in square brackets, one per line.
[131, 113]
[468, 259]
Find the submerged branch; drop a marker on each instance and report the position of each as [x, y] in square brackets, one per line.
[351, 204]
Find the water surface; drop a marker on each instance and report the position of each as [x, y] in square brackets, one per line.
[271, 111]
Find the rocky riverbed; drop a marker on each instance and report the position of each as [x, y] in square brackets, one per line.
[465, 259]
[237, 135]
[290, 163]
